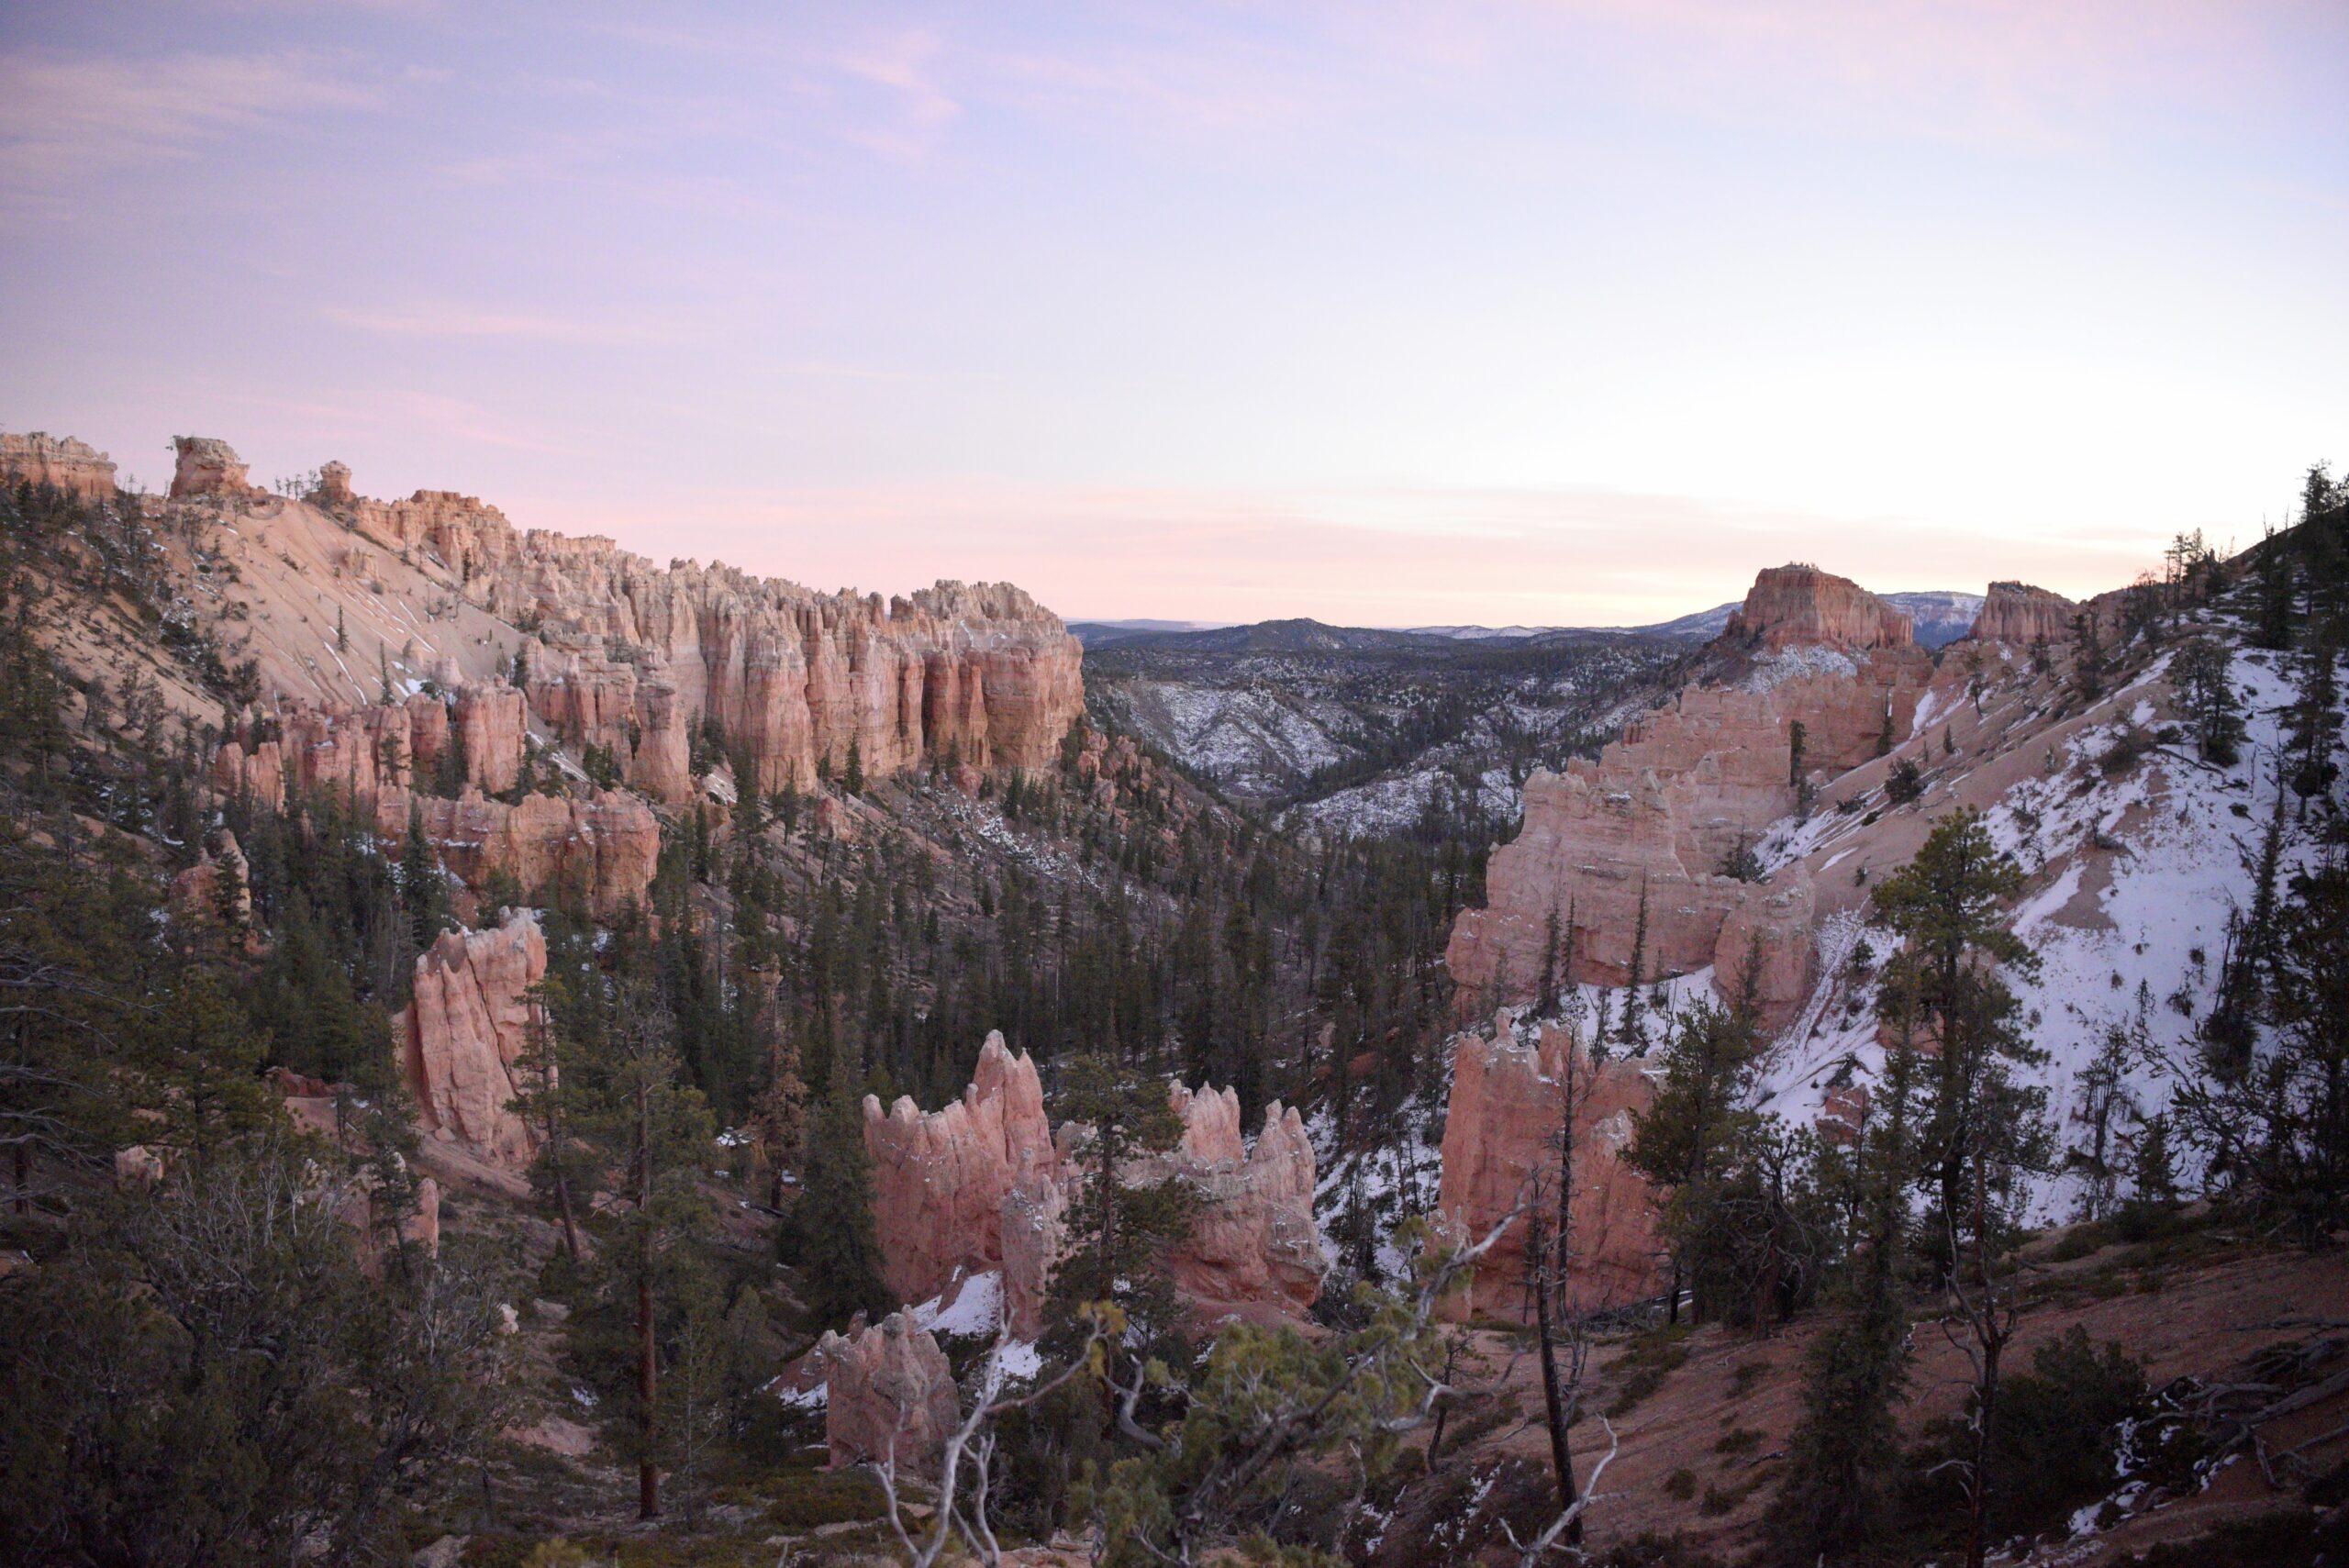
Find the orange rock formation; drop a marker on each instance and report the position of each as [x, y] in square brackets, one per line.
[985, 1183]
[1507, 1103]
[1801, 607]
[462, 1035]
[2019, 612]
[59, 461]
[889, 1395]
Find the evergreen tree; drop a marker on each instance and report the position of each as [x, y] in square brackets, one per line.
[2314, 723]
[838, 1252]
[2275, 603]
[2203, 672]
[1635, 1019]
[422, 888]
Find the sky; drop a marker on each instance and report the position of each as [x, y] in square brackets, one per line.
[1574, 312]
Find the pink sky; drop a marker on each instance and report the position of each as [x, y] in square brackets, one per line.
[1510, 312]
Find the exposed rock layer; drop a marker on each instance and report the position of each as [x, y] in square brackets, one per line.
[1801, 607]
[59, 461]
[1507, 1103]
[206, 465]
[2019, 613]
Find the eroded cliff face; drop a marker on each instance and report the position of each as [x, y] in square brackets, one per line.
[2019, 613]
[600, 848]
[986, 1183]
[889, 1395]
[1800, 606]
[939, 1178]
[206, 465]
[1658, 817]
[1509, 1101]
[637, 656]
[464, 1033]
[59, 461]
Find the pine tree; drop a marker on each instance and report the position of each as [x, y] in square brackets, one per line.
[1682, 1143]
[2314, 722]
[2203, 672]
[1844, 1453]
[422, 888]
[839, 1254]
[1635, 1019]
[2272, 617]
[854, 778]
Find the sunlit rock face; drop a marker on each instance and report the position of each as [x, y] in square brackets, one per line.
[1507, 1108]
[1658, 818]
[1801, 607]
[985, 1183]
[206, 465]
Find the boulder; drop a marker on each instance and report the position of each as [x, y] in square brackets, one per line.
[59, 463]
[462, 1035]
[889, 1394]
[1509, 1100]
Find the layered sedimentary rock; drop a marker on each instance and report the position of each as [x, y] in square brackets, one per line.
[465, 1031]
[940, 1179]
[889, 1395]
[1801, 607]
[1604, 841]
[1509, 1100]
[986, 1183]
[59, 462]
[206, 465]
[1253, 1242]
[600, 849]
[977, 674]
[2019, 613]
[1659, 816]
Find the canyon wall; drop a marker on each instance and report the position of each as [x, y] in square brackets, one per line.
[1654, 822]
[600, 847]
[59, 462]
[987, 1182]
[1507, 1104]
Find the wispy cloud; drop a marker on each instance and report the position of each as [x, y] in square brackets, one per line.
[446, 320]
[68, 121]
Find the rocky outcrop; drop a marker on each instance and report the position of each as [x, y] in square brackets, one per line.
[940, 1179]
[889, 1395]
[1254, 1243]
[967, 674]
[59, 463]
[986, 1183]
[1657, 819]
[2019, 613]
[207, 466]
[1801, 607]
[465, 1031]
[598, 849]
[1509, 1101]
[1602, 841]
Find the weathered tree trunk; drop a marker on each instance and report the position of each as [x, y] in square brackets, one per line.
[648, 1471]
